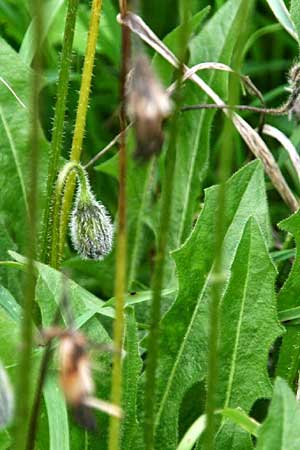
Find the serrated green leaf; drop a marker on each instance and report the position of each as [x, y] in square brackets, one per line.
[248, 327]
[280, 430]
[289, 355]
[183, 345]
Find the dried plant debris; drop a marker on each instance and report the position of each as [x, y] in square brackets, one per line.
[6, 399]
[148, 104]
[75, 376]
[294, 89]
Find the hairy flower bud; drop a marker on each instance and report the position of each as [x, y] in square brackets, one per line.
[90, 225]
[147, 106]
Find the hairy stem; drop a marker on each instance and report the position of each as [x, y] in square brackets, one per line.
[58, 124]
[120, 283]
[25, 361]
[61, 182]
[80, 119]
[165, 215]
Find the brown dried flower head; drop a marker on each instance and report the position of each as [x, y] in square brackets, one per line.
[294, 88]
[148, 104]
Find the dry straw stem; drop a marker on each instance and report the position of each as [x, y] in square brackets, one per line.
[286, 144]
[81, 115]
[248, 134]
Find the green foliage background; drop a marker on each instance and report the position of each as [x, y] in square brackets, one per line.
[259, 343]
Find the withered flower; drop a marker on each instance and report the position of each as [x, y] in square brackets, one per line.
[148, 104]
[294, 89]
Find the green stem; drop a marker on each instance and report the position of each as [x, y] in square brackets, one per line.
[81, 113]
[58, 124]
[25, 361]
[61, 182]
[120, 283]
[165, 215]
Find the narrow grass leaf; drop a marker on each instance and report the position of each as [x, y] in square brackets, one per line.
[283, 16]
[57, 415]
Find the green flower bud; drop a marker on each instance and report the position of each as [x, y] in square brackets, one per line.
[91, 227]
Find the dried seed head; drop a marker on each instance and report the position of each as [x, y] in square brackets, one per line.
[294, 88]
[147, 106]
[76, 377]
[90, 225]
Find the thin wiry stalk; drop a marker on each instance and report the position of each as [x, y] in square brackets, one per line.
[165, 215]
[58, 124]
[25, 362]
[80, 117]
[120, 282]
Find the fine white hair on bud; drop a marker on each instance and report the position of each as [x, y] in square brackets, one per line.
[148, 104]
[91, 227]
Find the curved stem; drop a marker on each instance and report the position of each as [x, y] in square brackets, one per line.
[65, 173]
[58, 124]
[81, 113]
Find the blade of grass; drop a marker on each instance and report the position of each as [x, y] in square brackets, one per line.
[24, 379]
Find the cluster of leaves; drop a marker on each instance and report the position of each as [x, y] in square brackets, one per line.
[259, 350]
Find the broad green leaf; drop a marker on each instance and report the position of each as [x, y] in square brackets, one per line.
[215, 42]
[29, 46]
[295, 15]
[57, 415]
[131, 371]
[248, 326]
[14, 133]
[183, 344]
[231, 437]
[283, 16]
[280, 430]
[50, 286]
[289, 355]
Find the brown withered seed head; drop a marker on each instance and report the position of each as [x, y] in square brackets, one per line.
[294, 74]
[75, 371]
[147, 106]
